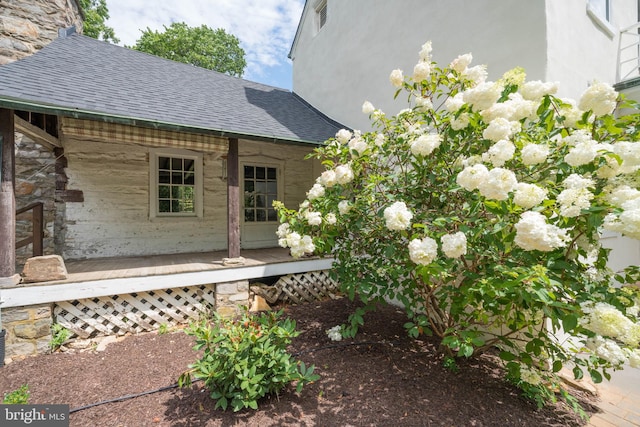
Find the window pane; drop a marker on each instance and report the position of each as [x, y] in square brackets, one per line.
[248, 215]
[249, 187]
[260, 201]
[248, 200]
[272, 187]
[176, 164]
[163, 163]
[175, 192]
[270, 200]
[271, 173]
[190, 178]
[176, 178]
[261, 215]
[164, 177]
[175, 206]
[261, 187]
[189, 165]
[248, 172]
[164, 206]
[163, 191]
[260, 173]
[273, 215]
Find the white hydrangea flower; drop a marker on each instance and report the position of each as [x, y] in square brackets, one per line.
[335, 333]
[283, 230]
[634, 358]
[357, 144]
[453, 104]
[504, 110]
[368, 108]
[421, 71]
[425, 52]
[343, 136]
[398, 216]
[380, 139]
[577, 181]
[316, 191]
[303, 245]
[425, 144]
[607, 349]
[344, 207]
[535, 90]
[533, 233]
[621, 194]
[460, 122]
[461, 62]
[570, 111]
[454, 245]
[327, 178]
[313, 218]
[331, 218]
[472, 175]
[628, 222]
[477, 75]
[498, 184]
[482, 96]
[500, 128]
[515, 108]
[396, 78]
[604, 319]
[528, 195]
[530, 375]
[424, 103]
[344, 174]
[499, 153]
[630, 154]
[600, 98]
[533, 154]
[573, 200]
[423, 251]
[582, 153]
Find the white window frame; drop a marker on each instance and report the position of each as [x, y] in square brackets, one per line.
[279, 186]
[595, 10]
[154, 154]
[321, 9]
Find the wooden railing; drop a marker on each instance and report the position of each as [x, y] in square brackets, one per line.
[37, 229]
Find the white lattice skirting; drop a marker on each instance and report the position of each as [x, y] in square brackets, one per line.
[134, 313]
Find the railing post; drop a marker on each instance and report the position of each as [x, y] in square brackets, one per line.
[37, 229]
[7, 195]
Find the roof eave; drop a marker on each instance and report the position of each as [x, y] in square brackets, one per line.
[16, 104]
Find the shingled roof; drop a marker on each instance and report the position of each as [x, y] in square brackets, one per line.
[82, 77]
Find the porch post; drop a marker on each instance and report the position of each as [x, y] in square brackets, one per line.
[233, 200]
[7, 195]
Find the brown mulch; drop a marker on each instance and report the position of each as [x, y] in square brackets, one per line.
[388, 379]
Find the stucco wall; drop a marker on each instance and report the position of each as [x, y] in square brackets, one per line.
[349, 60]
[580, 48]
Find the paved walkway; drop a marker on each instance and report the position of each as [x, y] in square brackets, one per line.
[619, 400]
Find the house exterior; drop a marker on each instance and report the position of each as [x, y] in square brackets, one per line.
[343, 52]
[165, 163]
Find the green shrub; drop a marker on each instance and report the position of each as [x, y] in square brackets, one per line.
[246, 359]
[59, 334]
[17, 397]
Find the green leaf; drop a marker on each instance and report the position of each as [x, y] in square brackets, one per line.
[507, 356]
[557, 366]
[569, 322]
[595, 376]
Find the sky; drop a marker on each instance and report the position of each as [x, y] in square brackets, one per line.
[265, 28]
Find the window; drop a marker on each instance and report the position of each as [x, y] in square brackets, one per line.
[176, 183]
[260, 184]
[601, 8]
[321, 14]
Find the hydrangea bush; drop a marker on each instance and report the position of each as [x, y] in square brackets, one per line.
[480, 208]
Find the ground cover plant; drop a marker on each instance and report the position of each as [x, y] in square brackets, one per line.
[479, 208]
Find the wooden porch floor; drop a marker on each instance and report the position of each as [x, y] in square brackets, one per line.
[156, 265]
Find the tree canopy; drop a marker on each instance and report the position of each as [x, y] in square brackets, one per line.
[95, 15]
[200, 46]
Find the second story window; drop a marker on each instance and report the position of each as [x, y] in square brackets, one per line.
[321, 14]
[602, 8]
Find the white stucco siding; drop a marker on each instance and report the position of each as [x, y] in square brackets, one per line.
[349, 60]
[582, 48]
[114, 218]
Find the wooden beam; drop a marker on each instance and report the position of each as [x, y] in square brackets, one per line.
[38, 135]
[233, 200]
[7, 194]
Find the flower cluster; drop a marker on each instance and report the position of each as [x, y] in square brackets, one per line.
[335, 333]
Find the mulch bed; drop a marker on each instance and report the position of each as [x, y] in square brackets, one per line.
[382, 378]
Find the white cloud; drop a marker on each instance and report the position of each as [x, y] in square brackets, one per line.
[265, 27]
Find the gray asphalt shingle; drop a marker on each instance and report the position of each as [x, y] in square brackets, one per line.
[78, 73]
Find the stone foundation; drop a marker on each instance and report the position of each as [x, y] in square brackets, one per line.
[28, 330]
[231, 297]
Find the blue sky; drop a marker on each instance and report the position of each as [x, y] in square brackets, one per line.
[265, 28]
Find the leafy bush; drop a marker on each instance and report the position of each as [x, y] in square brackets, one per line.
[59, 335]
[246, 359]
[480, 208]
[17, 397]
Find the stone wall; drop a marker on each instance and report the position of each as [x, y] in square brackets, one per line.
[28, 330]
[28, 25]
[35, 182]
[230, 297]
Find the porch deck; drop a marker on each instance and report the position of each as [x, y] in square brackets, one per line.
[113, 276]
